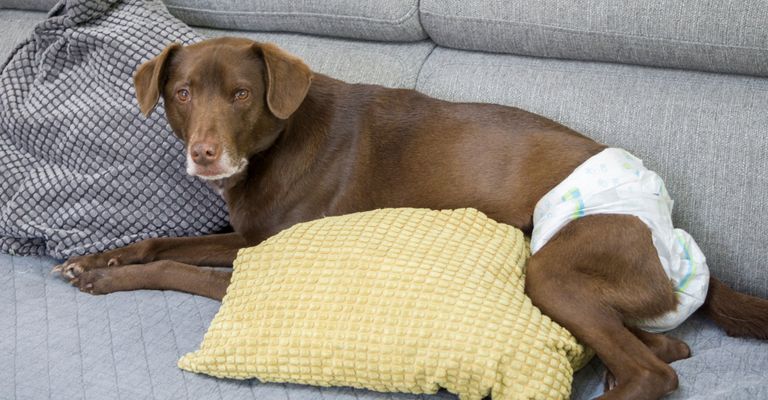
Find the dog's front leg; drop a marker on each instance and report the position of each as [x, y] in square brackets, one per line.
[159, 275]
[211, 250]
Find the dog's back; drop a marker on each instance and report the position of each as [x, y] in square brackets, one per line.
[402, 148]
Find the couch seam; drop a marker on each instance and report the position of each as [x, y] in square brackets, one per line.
[582, 31]
[203, 323]
[144, 345]
[80, 344]
[112, 348]
[394, 22]
[47, 334]
[423, 63]
[175, 340]
[529, 67]
[15, 324]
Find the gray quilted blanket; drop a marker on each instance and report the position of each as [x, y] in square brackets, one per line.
[82, 171]
[59, 343]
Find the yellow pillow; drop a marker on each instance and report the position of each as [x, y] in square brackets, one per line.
[394, 300]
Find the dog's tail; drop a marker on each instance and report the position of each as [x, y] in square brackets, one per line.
[739, 314]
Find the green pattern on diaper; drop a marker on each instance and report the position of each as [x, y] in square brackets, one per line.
[575, 194]
[692, 265]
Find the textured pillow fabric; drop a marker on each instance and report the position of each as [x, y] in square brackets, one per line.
[392, 20]
[407, 300]
[717, 36]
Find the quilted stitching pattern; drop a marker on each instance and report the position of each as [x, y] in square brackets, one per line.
[59, 343]
[404, 300]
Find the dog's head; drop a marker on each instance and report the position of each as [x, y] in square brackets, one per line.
[226, 98]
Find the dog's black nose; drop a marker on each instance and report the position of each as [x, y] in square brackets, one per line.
[205, 153]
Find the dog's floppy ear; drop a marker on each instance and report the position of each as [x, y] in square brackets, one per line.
[150, 77]
[288, 80]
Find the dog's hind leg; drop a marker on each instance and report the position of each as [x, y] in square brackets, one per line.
[667, 348]
[597, 274]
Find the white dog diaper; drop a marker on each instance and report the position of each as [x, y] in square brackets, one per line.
[616, 182]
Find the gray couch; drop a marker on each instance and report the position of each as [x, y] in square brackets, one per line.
[680, 83]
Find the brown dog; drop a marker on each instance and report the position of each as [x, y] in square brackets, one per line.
[284, 145]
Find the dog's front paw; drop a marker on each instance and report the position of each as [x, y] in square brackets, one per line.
[76, 266]
[95, 281]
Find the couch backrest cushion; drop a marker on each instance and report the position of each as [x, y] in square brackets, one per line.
[707, 35]
[388, 64]
[38, 5]
[18, 24]
[704, 134]
[392, 20]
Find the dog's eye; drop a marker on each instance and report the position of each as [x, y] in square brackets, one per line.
[241, 94]
[183, 95]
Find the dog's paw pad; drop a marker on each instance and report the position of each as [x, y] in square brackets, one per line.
[94, 282]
